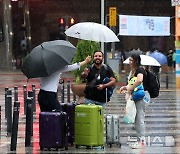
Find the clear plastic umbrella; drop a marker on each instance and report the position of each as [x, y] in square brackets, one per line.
[146, 60]
[92, 31]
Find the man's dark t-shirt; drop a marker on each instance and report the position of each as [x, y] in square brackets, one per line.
[91, 92]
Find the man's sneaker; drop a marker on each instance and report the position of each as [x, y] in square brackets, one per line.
[138, 145]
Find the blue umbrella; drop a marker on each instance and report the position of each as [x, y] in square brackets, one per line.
[160, 57]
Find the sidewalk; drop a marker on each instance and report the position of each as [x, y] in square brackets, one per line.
[162, 121]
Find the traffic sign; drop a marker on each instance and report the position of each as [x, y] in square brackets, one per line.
[112, 16]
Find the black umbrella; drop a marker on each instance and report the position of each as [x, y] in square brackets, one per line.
[47, 58]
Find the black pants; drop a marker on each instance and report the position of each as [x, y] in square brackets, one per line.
[48, 101]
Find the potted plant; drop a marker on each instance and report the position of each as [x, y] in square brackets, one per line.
[84, 48]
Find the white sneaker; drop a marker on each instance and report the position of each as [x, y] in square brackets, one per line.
[138, 145]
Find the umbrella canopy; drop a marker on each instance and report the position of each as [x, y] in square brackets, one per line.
[139, 52]
[47, 58]
[146, 60]
[160, 57]
[92, 31]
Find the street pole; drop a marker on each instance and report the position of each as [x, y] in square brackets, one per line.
[177, 44]
[102, 22]
[8, 31]
[113, 43]
[27, 24]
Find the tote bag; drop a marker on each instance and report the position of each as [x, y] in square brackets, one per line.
[130, 112]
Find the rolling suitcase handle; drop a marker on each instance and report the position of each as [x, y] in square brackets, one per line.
[106, 104]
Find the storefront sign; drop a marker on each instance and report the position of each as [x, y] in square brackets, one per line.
[144, 25]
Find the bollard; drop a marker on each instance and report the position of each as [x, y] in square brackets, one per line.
[28, 123]
[167, 80]
[9, 112]
[62, 92]
[68, 91]
[25, 98]
[6, 101]
[15, 93]
[15, 126]
[30, 95]
[34, 98]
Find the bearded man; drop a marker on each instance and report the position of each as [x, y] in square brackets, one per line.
[95, 91]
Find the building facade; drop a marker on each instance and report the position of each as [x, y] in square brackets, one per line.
[38, 21]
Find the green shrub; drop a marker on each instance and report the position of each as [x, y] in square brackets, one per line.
[83, 49]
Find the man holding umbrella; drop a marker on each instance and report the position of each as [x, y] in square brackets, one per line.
[47, 96]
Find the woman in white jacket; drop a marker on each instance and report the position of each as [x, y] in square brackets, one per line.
[47, 96]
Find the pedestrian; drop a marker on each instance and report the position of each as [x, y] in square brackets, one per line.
[139, 72]
[169, 59]
[47, 96]
[174, 61]
[123, 58]
[23, 46]
[95, 91]
[148, 52]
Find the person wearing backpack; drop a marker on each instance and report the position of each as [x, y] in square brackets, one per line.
[99, 77]
[153, 83]
[156, 70]
[140, 73]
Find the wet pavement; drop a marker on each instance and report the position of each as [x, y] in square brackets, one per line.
[162, 120]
